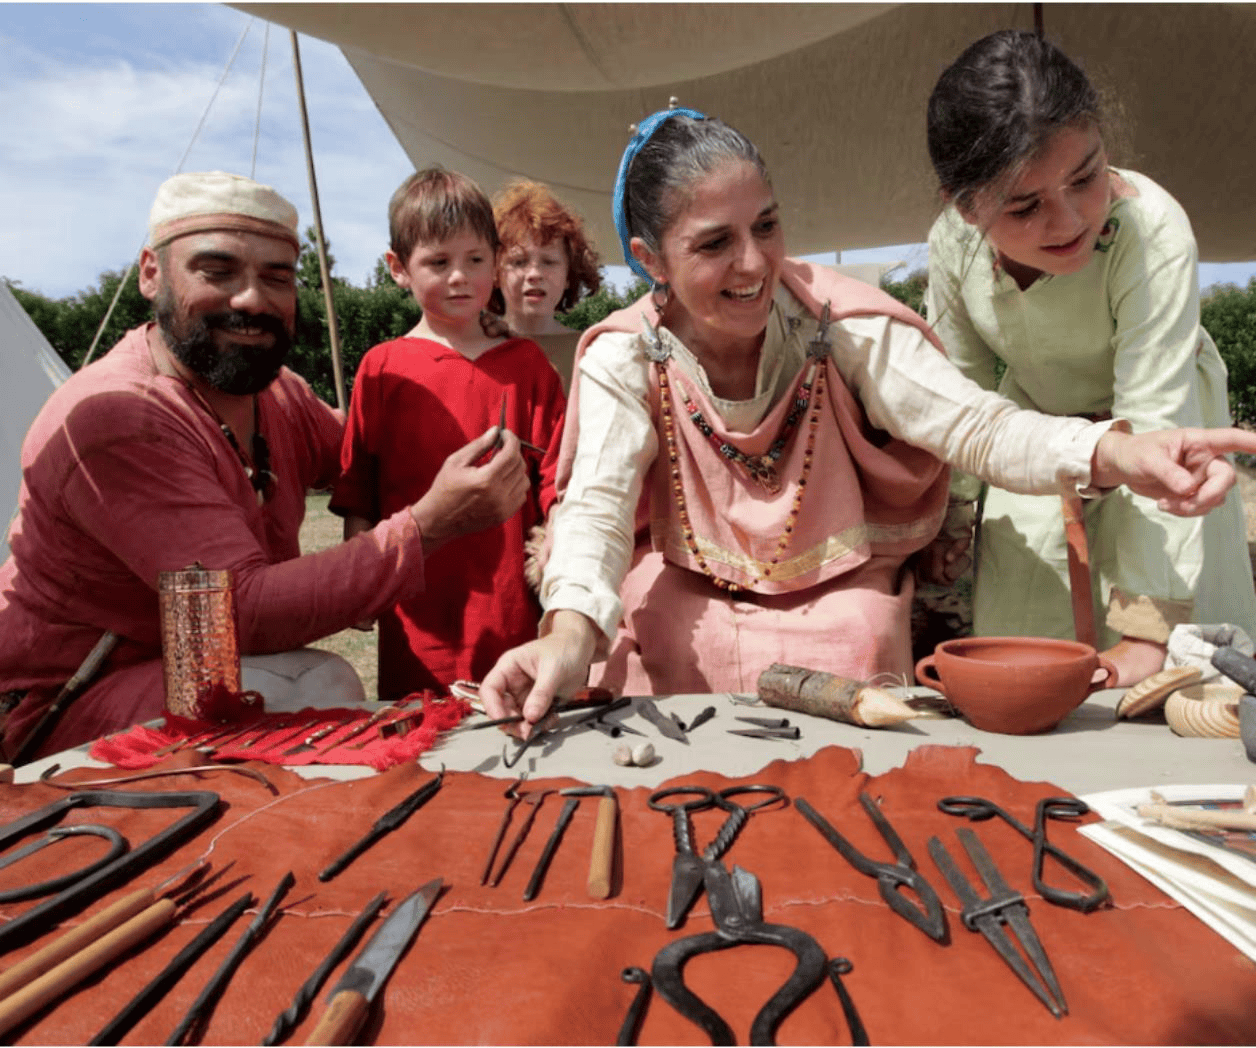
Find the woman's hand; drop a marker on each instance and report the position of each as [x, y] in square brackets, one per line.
[529, 678]
[1135, 659]
[1182, 469]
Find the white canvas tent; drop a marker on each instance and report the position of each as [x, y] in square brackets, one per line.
[32, 370]
[833, 94]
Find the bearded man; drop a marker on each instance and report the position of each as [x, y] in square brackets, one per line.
[190, 442]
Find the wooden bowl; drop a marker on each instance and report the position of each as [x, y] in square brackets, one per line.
[1014, 685]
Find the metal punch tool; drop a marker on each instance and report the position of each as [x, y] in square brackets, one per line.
[976, 809]
[1001, 912]
[891, 878]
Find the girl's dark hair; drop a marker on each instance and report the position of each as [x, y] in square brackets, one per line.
[679, 153]
[997, 105]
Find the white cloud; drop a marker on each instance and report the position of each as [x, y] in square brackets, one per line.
[99, 102]
[98, 134]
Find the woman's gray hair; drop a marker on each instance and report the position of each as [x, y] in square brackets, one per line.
[682, 151]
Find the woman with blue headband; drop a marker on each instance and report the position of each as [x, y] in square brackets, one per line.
[755, 449]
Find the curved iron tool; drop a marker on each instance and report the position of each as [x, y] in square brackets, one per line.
[535, 800]
[977, 809]
[636, 1011]
[838, 967]
[117, 845]
[37, 920]
[513, 795]
[891, 878]
[737, 906]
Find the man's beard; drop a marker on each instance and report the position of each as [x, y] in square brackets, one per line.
[235, 368]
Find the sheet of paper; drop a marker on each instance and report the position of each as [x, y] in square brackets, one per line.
[1230, 911]
[1233, 850]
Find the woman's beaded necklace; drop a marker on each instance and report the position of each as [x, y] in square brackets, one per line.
[809, 397]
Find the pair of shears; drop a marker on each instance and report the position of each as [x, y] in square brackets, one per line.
[689, 868]
[978, 809]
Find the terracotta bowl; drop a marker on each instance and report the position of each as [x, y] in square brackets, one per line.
[1014, 685]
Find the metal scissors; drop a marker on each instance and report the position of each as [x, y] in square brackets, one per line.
[994, 916]
[975, 809]
[891, 877]
[737, 907]
[689, 867]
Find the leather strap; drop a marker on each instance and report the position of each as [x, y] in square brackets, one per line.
[1079, 570]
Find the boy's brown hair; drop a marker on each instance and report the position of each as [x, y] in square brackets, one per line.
[433, 205]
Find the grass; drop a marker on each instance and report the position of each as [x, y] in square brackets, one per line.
[322, 530]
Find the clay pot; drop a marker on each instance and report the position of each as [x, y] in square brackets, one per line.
[1014, 685]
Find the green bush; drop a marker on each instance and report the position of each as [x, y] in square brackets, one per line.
[1229, 316]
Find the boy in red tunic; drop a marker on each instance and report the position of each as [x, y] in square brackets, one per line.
[418, 398]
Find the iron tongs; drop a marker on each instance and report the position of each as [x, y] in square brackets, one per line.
[892, 878]
[737, 906]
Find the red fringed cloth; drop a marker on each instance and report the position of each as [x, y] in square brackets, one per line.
[314, 733]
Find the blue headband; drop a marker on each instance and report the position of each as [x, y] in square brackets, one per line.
[645, 131]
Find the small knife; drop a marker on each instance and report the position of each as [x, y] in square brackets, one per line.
[665, 722]
[312, 739]
[351, 998]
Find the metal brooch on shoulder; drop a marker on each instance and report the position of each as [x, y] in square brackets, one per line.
[819, 347]
[654, 348]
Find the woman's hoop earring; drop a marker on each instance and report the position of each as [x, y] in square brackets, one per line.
[660, 295]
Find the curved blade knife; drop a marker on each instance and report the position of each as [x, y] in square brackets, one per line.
[350, 1000]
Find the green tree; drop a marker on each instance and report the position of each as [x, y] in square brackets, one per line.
[597, 307]
[1228, 313]
[911, 291]
[70, 323]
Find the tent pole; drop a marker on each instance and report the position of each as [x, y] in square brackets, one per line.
[1038, 28]
[319, 238]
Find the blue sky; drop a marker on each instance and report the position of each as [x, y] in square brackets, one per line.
[99, 102]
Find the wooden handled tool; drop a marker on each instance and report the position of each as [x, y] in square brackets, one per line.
[13, 979]
[602, 856]
[73, 970]
[343, 1018]
[350, 1000]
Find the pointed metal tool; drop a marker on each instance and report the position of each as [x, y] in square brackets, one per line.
[665, 722]
[350, 999]
[386, 823]
[1003, 911]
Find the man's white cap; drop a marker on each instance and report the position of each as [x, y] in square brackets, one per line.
[199, 202]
